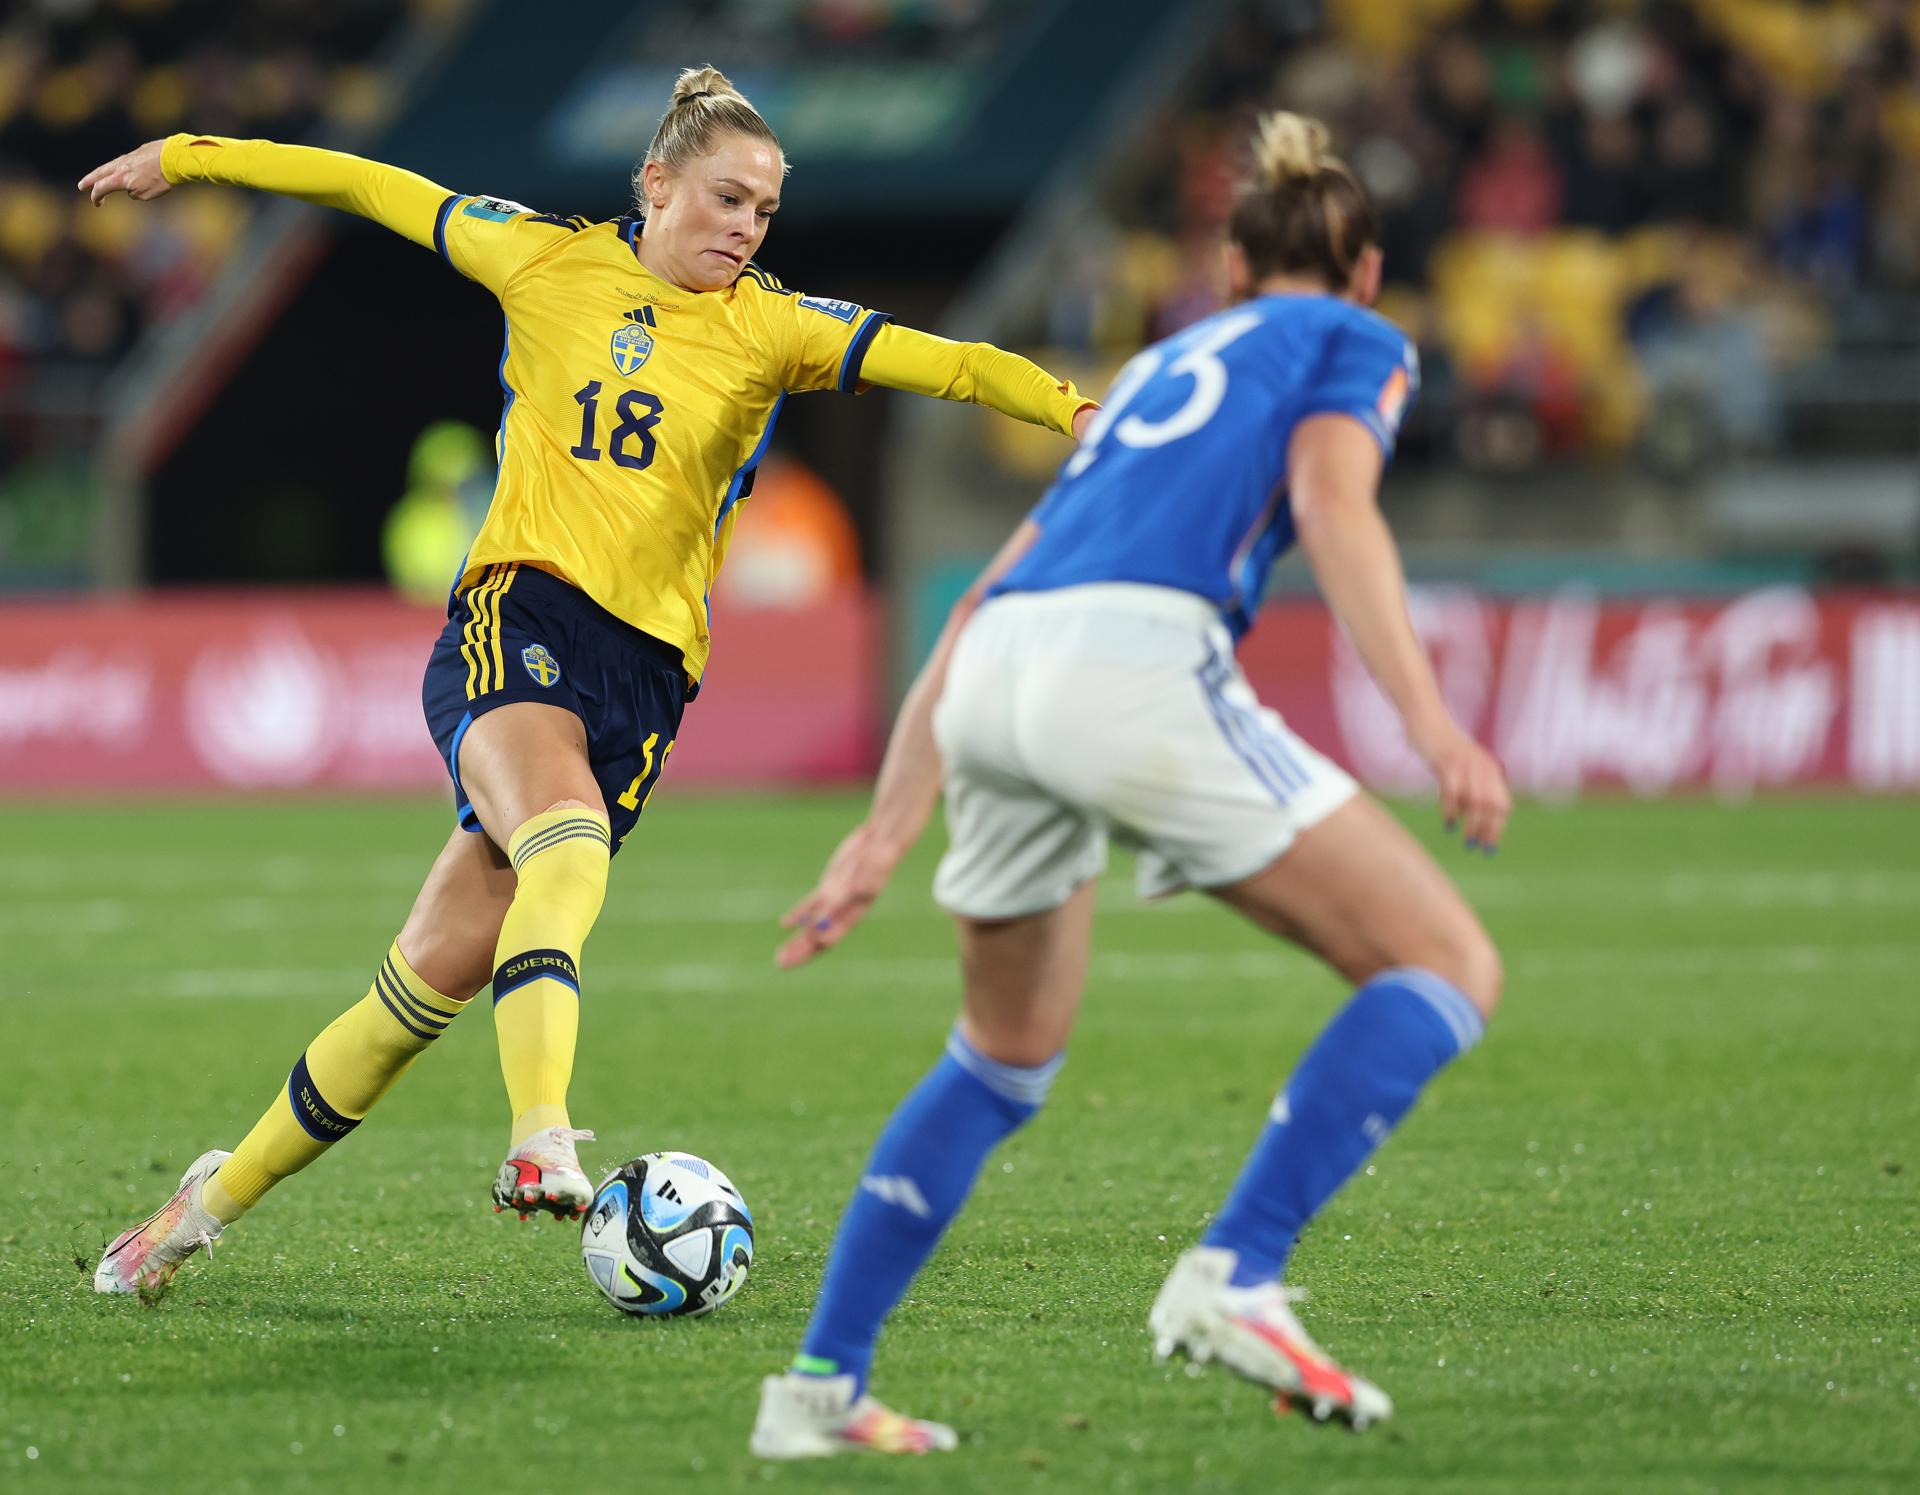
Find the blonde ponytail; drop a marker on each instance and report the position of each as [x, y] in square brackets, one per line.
[1301, 211]
[705, 106]
[1289, 148]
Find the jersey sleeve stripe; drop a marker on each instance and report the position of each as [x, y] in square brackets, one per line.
[857, 351]
[440, 226]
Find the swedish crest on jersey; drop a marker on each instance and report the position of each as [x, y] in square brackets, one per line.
[632, 341]
[544, 668]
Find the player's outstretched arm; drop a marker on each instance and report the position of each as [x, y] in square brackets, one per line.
[1333, 477]
[979, 373]
[903, 795]
[400, 200]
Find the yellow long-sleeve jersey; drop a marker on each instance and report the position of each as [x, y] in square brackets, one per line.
[634, 410]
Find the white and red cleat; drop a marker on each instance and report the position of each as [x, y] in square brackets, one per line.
[1253, 1332]
[543, 1173]
[812, 1417]
[143, 1260]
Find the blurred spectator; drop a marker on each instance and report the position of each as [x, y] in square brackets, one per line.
[1514, 187]
[1708, 361]
[449, 485]
[1591, 212]
[1607, 183]
[81, 81]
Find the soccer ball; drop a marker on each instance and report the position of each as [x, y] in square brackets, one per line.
[667, 1234]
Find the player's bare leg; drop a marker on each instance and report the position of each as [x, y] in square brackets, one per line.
[1360, 892]
[1024, 979]
[454, 924]
[525, 769]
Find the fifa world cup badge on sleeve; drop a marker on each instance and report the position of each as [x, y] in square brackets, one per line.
[493, 209]
[840, 311]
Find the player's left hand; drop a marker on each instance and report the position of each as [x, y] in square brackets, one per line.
[1473, 787]
[1082, 418]
[856, 874]
[137, 174]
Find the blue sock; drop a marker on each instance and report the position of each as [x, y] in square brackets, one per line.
[921, 1172]
[1362, 1075]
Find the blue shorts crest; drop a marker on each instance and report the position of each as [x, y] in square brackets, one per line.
[540, 664]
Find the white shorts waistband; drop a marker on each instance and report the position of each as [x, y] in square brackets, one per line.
[1137, 598]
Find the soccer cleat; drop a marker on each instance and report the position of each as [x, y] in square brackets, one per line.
[143, 1260]
[543, 1173]
[810, 1417]
[1253, 1332]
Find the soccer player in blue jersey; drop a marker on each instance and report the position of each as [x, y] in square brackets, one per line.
[1086, 689]
[646, 359]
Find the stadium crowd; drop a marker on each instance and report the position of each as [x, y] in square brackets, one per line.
[1597, 213]
[81, 79]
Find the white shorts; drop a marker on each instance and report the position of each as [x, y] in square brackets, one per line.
[1112, 709]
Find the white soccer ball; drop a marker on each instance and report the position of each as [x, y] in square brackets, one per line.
[667, 1235]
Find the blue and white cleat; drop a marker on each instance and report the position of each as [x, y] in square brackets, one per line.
[543, 1173]
[143, 1260]
[1253, 1332]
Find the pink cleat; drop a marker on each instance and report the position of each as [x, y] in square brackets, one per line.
[1254, 1333]
[143, 1260]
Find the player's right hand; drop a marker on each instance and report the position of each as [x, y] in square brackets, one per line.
[1473, 787]
[137, 174]
[855, 875]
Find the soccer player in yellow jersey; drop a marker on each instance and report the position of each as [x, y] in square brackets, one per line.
[646, 359]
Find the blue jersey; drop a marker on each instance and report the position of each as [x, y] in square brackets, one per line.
[1181, 481]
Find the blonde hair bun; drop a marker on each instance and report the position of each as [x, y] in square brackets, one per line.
[698, 82]
[1289, 148]
[706, 106]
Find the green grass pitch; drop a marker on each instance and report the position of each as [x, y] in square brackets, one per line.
[1661, 1232]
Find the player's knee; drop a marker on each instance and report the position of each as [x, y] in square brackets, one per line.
[572, 874]
[1462, 954]
[454, 967]
[560, 858]
[1474, 967]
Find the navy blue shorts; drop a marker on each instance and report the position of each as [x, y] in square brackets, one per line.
[520, 634]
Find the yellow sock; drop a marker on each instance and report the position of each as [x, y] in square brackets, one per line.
[561, 857]
[336, 1082]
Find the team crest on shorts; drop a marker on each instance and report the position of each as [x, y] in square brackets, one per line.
[544, 668]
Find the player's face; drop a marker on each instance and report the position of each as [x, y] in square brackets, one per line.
[712, 216]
